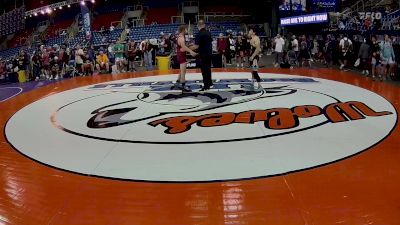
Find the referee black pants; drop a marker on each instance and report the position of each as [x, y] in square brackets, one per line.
[205, 65]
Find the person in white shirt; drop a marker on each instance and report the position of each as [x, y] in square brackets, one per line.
[79, 55]
[141, 51]
[295, 46]
[345, 47]
[279, 42]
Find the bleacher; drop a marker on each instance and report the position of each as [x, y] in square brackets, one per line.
[53, 30]
[153, 31]
[106, 19]
[387, 23]
[161, 15]
[9, 53]
[20, 38]
[105, 37]
[137, 34]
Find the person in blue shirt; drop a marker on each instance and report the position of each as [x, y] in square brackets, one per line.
[388, 61]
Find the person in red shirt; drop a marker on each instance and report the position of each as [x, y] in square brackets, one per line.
[222, 46]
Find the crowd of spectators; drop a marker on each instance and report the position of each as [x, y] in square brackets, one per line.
[375, 56]
[55, 62]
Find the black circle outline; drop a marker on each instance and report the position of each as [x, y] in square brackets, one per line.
[210, 181]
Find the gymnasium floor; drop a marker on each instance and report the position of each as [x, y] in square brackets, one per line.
[314, 146]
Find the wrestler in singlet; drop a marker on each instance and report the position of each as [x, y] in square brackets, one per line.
[180, 52]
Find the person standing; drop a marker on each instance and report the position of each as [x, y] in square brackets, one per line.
[35, 61]
[79, 56]
[222, 45]
[295, 47]
[279, 42]
[346, 47]
[148, 55]
[131, 56]
[304, 56]
[239, 52]
[363, 55]
[254, 57]
[119, 50]
[388, 57]
[375, 55]
[203, 44]
[181, 50]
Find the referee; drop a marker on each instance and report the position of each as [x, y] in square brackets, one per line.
[203, 45]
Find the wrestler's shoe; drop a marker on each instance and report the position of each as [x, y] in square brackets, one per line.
[177, 86]
[185, 89]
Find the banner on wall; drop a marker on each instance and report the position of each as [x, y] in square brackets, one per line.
[305, 19]
[370, 15]
[86, 22]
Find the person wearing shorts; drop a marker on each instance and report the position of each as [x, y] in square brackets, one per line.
[388, 57]
[103, 63]
[119, 50]
[181, 50]
[346, 47]
[79, 56]
[240, 48]
[254, 58]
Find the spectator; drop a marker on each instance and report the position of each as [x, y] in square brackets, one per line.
[214, 44]
[103, 63]
[91, 54]
[388, 57]
[79, 59]
[363, 55]
[167, 44]
[304, 56]
[148, 57]
[278, 43]
[295, 46]
[54, 68]
[345, 48]
[131, 56]
[88, 67]
[119, 50]
[142, 47]
[222, 46]
[3, 69]
[35, 61]
[230, 50]
[45, 63]
[62, 59]
[315, 49]
[375, 56]
[239, 52]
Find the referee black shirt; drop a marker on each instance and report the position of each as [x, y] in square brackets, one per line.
[204, 41]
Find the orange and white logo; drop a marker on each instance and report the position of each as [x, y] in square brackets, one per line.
[140, 129]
